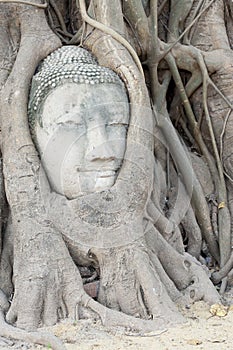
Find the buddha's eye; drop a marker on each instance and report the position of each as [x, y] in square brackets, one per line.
[117, 124]
[70, 118]
[70, 122]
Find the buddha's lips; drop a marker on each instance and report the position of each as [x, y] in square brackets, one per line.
[99, 173]
[107, 173]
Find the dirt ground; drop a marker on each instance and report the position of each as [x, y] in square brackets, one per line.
[202, 331]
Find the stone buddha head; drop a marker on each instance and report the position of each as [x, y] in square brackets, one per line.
[78, 116]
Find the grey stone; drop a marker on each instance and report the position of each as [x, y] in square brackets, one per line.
[79, 122]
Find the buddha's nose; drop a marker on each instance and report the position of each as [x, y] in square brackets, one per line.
[99, 147]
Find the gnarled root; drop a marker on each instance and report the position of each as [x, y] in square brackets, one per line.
[11, 332]
[130, 283]
[112, 318]
[184, 270]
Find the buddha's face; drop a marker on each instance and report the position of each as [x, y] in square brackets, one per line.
[82, 137]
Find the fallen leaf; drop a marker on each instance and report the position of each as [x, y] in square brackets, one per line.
[221, 205]
[218, 310]
[194, 342]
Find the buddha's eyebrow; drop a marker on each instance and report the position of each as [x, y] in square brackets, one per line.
[119, 113]
[72, 112]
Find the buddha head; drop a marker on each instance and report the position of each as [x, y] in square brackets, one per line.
[78, 116]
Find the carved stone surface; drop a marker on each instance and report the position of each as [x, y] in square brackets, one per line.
[100, 179]
[79, 114]
[67, 64]
[81, 137]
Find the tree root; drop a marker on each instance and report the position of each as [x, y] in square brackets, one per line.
[187, 274]
[191, 182]
[10, 332]
[110, 31]
[41, 6]
[113, 318]
[217, 276]
[190, 226]
[169, 228]
[187, 28]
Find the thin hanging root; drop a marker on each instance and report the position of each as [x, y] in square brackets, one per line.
[221, 143]
[22, 2]
[190, 180]
[216, 171]
[219, 275]
[209, 80]
[198, 8]
[222, 133]
[160, 9]
[60, 19]
[187, 29]
[191, 117]
[224, 215]
[109, 31]
[77, 37]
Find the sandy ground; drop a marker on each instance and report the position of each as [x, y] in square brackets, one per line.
[202, 331]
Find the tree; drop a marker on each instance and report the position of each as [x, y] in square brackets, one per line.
[175, 60]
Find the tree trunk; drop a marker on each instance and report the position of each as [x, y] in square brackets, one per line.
[147, 236]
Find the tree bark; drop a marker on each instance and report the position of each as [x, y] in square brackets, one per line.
[177, 78]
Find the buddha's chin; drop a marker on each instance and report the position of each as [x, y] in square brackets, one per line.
[104, 183]
[99, 184]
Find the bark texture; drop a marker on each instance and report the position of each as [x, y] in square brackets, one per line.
[168, 218]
